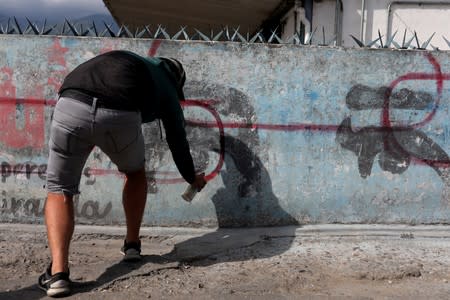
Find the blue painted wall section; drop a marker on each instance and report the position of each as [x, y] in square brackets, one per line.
[286, 134]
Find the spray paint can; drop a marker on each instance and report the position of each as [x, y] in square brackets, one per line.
[190, 193]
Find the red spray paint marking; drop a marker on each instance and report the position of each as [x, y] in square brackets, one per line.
[154, 47]
[31, 132]
[31, 101]
[12, 134]
[19, 141]
[437, 76]
[56, 53]
[262, 126]
[56, 57]
[206, 106]
[386, 123]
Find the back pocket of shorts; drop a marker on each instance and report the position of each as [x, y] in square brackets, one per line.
[119, 140]
[66, 140]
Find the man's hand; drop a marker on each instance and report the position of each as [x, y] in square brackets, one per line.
[199, 182]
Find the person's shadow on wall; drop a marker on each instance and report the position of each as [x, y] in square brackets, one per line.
[247, 203]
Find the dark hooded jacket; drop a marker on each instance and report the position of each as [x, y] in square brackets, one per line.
[145, 84]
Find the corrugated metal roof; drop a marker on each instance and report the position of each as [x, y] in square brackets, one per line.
[201, 14]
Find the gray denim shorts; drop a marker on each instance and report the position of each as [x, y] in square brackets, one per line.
[76, 128]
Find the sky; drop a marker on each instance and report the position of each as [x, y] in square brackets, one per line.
[51, 9]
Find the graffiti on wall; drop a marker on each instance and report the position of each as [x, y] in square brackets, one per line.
[397, 147]
[34, 207]
[26, 169]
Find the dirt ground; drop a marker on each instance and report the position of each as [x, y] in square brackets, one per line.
[313, 262]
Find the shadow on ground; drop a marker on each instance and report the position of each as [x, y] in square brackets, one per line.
[107, 278]
[246, 201]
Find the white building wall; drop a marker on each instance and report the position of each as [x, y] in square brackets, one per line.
[323, 20]
[425, 20]
[289, 22]
[424, 17]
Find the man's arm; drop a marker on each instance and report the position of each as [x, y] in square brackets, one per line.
[173, 121]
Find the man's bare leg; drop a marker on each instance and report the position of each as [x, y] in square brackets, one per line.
[134, 198]
[59, 219]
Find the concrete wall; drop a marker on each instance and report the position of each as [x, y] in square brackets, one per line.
[287, 134]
